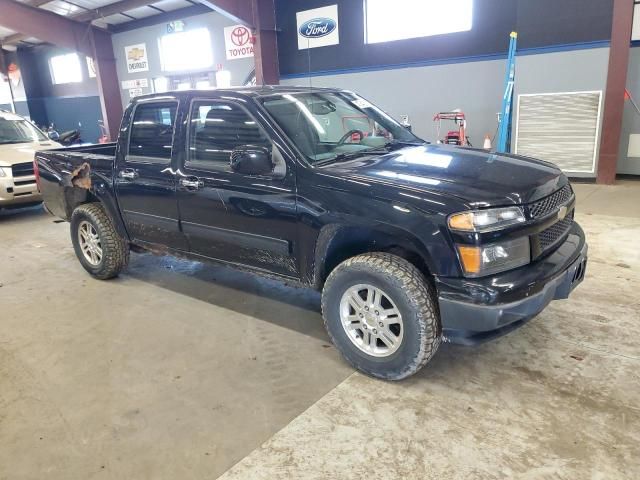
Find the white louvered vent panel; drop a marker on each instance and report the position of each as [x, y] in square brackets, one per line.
[561, 128]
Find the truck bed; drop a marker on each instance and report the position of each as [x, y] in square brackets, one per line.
[107, 149]
[66, 173]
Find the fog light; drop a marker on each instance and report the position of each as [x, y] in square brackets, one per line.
[497, 257]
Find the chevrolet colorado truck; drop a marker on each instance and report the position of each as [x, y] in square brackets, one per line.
[19, 139]
[411, 244]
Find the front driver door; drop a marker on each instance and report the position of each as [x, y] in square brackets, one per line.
[144, 178]
[238, 218]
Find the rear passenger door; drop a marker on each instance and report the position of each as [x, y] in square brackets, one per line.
[230, 216]
[144, 177]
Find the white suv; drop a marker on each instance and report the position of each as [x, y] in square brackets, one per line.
[19, 140]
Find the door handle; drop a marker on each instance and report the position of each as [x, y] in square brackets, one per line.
[129, 174]
[192, 183]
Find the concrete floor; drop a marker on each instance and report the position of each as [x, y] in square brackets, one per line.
[181, 370]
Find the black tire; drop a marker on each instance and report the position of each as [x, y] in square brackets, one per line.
[413, 296]
[115, 250]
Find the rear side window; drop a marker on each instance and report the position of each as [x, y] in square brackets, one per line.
[216, 129]
[152, 131]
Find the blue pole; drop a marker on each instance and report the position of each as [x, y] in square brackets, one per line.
[505, 120]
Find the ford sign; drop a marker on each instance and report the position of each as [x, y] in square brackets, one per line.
[317, 27]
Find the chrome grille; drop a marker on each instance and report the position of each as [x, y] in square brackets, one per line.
[549, 237]
[22, 169]
[548, 205]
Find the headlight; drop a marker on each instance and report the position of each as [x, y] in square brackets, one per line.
[2, 172]
[486, 220]
[497, 257]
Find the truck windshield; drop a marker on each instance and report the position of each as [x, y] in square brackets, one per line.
[328, 126]
[19, 131]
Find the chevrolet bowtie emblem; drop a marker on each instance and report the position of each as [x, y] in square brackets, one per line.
[562, 213]
[135, 54]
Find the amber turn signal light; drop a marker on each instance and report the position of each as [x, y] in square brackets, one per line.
[462, 221]
[470, 258]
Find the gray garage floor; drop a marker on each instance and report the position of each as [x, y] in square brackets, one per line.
[180, 370]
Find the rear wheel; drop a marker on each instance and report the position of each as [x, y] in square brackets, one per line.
[101, 250]
[381, 313]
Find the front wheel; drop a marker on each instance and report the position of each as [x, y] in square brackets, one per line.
[381, 313]
[101, 250]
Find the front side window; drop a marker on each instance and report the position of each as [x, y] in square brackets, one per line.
[152, 130]
[216, 129]
[18, 131]
[389, 20]
[325, 125]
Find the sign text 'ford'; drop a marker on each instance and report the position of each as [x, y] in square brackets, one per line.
[317, 27]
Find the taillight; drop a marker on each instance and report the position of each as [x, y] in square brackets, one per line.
[36, 171]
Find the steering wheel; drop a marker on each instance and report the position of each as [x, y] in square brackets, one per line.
[347, 135]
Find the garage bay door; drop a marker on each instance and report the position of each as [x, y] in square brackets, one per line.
[561, 128]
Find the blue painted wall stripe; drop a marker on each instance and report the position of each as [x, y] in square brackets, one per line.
[448, 61]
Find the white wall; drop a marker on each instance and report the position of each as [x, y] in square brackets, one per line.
[475, 87]
[570, 71]
[420, 92]
[215, 22]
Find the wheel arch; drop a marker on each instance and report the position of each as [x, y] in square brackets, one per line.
[98, 192]
[336, 243]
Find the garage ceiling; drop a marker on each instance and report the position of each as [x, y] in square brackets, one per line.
[102, 13]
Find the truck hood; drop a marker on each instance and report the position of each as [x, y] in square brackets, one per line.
[477, 177]
[13, 153]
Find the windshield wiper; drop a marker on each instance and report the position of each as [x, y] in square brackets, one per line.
[349, 156]
[368, 151]
[408, 143]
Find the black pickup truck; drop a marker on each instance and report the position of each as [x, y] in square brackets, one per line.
[411, 244]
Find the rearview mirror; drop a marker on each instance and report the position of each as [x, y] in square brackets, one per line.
[251, 160]
[322, 108]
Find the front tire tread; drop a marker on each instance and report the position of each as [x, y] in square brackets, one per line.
[421, 296]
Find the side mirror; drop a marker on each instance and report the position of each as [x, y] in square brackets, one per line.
[53, 135]
[251, 160]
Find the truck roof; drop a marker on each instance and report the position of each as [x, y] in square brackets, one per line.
[258, 91]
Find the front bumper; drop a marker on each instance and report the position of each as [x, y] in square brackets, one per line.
[21, 192]
[476, 310]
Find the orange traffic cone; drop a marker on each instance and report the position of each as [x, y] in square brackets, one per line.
[487, 142]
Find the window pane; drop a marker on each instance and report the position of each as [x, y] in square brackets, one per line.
[15, 130]
[91, 67]
[216, 129]
[189, 50]
[223, 79]
[65, 69]
[152, 130]
[326, 124]
[161, 84]
[635, 32]
[388, 20]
